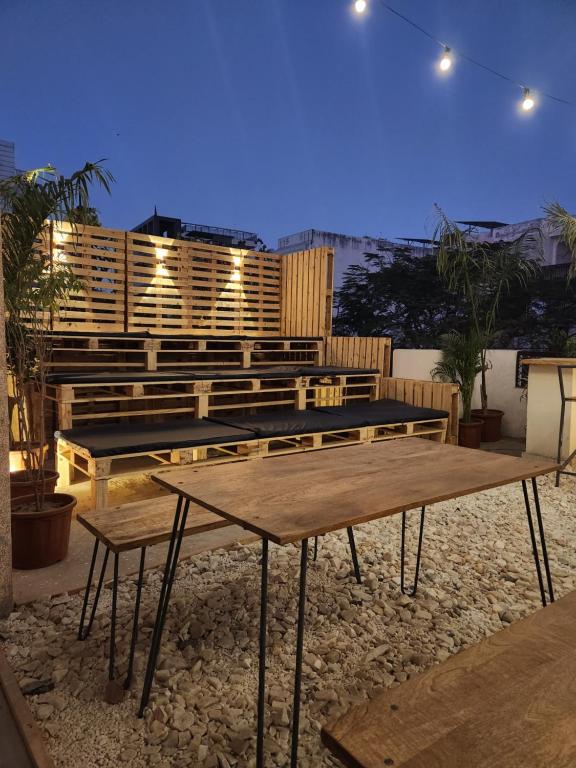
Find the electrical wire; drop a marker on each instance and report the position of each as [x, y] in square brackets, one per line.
[469, 59]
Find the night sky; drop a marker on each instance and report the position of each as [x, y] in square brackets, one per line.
[280, 115]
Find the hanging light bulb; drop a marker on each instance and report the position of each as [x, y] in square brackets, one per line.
[445, 62]
[528, 102]
[360, 6]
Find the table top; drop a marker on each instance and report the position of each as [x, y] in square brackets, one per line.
[293, 497]
[507, 702]
[552, 361]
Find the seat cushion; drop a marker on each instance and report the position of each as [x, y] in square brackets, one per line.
[381, 412]
[97, 378]
[118, 439]
[289, 422]
[333, 370]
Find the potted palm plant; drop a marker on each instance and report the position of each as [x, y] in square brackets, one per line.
[461, 363]
[35, 287]
[484, 274]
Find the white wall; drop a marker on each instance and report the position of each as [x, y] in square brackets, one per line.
[500, 381]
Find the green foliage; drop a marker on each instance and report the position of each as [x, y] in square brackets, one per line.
[87, 216]
[402, 297]
[484, 274]
[34, 286]
[461, 363]
[559, 218]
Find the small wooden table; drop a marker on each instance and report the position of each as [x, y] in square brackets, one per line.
[294, 498]
[506, 702]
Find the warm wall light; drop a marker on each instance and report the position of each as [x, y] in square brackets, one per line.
[237, 260]
[528, 101]
[446, 61]
[360, 6]
[161, 253]
[236, 276]
[161, 269]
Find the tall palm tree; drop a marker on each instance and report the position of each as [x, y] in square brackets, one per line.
[559, 218]
[483, 274]
[35, 286]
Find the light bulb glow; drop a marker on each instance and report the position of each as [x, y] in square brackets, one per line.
[360, 6]
[446, 60]
[528, 102]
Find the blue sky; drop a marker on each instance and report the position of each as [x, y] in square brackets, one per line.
[279, 115]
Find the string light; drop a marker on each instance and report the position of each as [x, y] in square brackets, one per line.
[445, 62]
[528, 102]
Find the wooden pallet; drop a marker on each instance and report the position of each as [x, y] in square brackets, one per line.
[161, 353]
[81, 404]
[72, 457]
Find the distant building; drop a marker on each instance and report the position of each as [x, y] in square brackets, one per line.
[348, 249]
[553, 252]
[168, 226]
[7, 159]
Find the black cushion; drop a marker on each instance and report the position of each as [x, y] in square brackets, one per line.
[92, 377]
[332, 370]
[118, 439]
[275, 372]
[101, 334]
[381, 412]
[289, 422]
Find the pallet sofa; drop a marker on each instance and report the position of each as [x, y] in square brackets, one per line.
[82, 398]
[102, 452]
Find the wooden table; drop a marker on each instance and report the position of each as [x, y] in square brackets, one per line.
[506, 702]
[294, 498]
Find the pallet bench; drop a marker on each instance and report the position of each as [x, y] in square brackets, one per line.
[150, 351]
[138, 525]
[83, 398]
[507, 702]
[104, 451]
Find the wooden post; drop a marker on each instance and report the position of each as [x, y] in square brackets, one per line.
[6, 602]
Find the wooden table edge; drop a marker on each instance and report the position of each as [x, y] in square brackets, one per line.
[545, 469]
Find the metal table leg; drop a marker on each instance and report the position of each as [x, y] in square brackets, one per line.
[83, 633]
[112, 657]
[299, 654]
[128, 680]
[354, 555]
[262, 657]
[403, 588]
[178, 528]
[535, 552]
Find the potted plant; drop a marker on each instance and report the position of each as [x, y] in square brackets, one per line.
[483, 274]
[35, 287]
[461, 363]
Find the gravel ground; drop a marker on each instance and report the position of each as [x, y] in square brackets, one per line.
[477, 576]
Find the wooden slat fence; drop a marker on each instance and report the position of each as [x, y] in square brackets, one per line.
[427, 394]
[307, 292]
[359, 352]
[136, 282]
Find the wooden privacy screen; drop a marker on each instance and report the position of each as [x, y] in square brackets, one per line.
[359, 352]
[307, 279]
[427, 394]
[136, 282]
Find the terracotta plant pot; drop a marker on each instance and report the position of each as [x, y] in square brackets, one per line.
[41, 538]
[21, 486]
[469, 433]
[492, 418]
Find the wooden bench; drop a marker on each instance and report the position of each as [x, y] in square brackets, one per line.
[83, 398]
[109, 450]
[507, 702]
[21, 743]
[128, 527]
